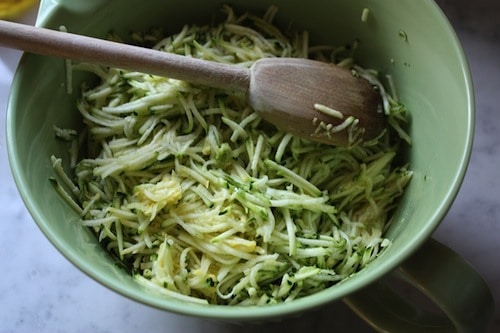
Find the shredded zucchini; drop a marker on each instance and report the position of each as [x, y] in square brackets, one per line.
[364, 15]
[202, 200]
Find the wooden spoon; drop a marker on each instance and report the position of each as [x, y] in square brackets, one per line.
[311, 99]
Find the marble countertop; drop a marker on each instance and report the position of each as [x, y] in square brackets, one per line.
[40, 291]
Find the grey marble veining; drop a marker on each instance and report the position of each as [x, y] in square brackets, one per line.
[40, 291]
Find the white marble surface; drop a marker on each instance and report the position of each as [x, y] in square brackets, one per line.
[40, 291]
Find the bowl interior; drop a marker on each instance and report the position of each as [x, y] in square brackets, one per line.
[410, 40]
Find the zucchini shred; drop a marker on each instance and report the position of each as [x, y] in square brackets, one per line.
[203, 201]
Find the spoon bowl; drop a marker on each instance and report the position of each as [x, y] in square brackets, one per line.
[324, 102]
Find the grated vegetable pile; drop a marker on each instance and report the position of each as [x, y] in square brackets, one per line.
[202, 200]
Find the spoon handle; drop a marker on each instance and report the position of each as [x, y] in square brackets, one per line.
[107, 53]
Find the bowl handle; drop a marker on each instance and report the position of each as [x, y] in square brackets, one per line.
[464, 300]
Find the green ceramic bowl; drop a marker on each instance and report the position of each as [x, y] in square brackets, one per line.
[409, 39]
